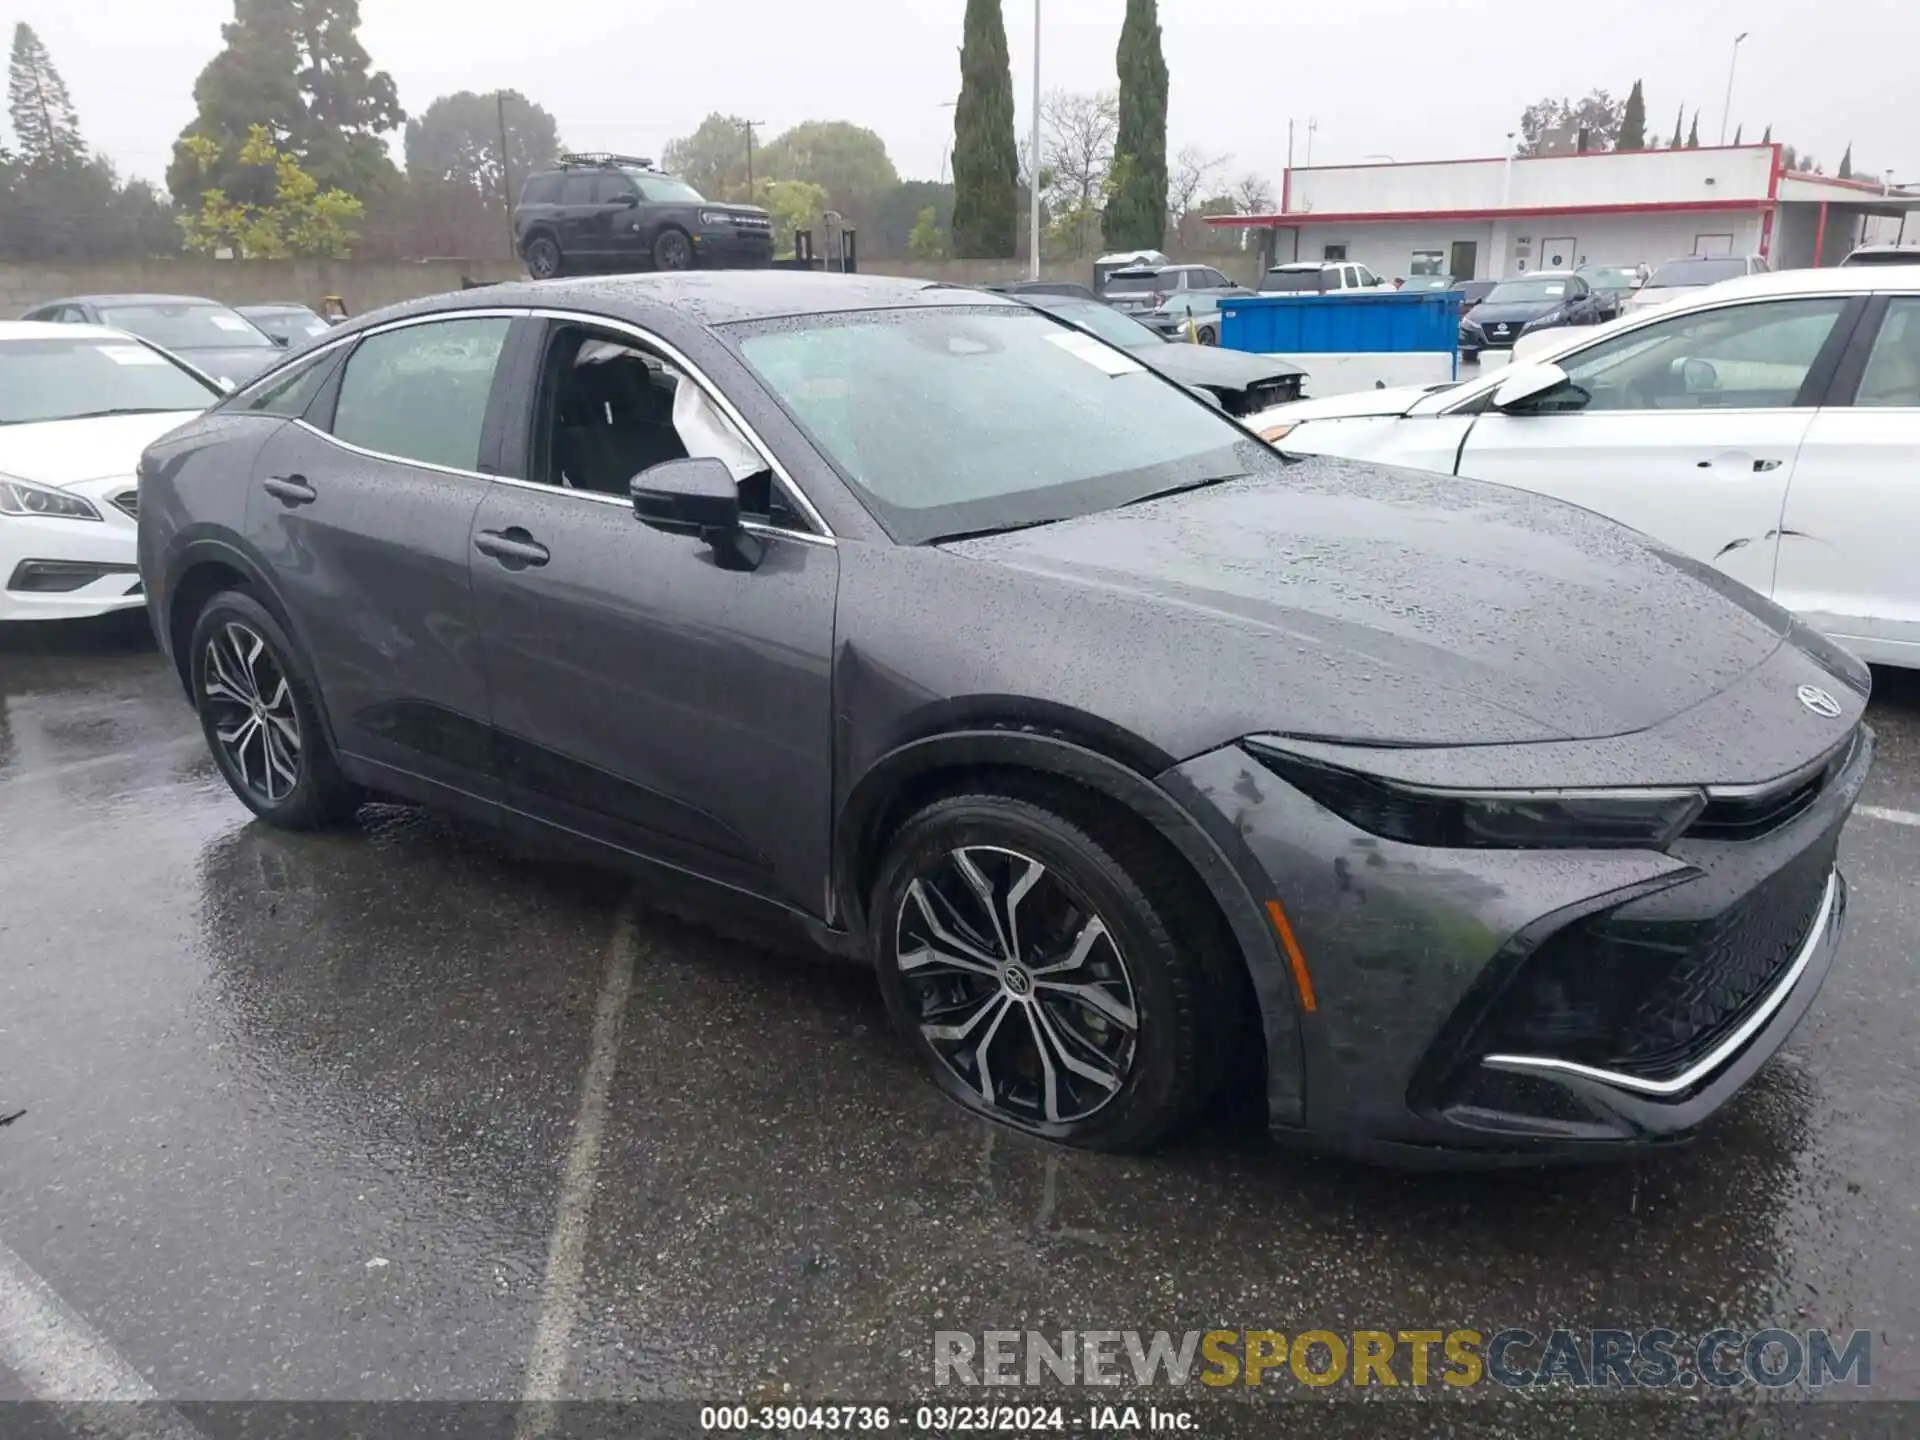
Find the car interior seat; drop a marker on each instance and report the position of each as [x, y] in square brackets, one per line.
[613, 420]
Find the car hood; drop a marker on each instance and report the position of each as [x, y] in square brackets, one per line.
[1356, 404]
[1208, 365]
[1514, 312]
[1386, 606]
[239, 364]
[72, 452]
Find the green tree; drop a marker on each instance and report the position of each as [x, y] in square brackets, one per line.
[1693, 135]
[794, 205]
[1633, 121]
[43, 117]
[888, 232]
[301, 220]
[848, 161]
[298, 68]
[928, 241]
[1598, 115]
[1845, 172]
[456, 140]
[1679, 133]
[1136, 212]
[986, 161]
[713, 159]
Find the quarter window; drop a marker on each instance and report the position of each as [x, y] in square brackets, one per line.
[292, 390]
[420, 393]
[541, 190]
[1892, 376]
[1740, 357]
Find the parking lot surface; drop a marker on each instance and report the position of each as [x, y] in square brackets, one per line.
[394, 1114]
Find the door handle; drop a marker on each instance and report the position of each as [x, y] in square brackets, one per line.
[1740, 460]
[1761, 467]
[290, 490]
[513, 548]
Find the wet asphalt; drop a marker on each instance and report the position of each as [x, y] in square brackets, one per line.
[298, 1114]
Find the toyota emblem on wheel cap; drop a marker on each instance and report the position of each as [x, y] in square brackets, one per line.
[1818, 701]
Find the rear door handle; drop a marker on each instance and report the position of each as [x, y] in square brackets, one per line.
[513, 548]
[1761, 467]
[290, 490]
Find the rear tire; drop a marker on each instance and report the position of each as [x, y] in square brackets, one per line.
[544, 260]
[673, 251]
[257, 710]
[1035, 969]
[1208, 335]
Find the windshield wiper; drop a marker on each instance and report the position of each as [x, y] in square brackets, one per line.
[1181, 489]
[123, 410]
[993, 530]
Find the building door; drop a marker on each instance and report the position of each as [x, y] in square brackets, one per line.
[1558, 253]
[1713, 244]
[1465, 261]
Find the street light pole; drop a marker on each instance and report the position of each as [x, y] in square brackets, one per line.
[1733, 65]
[1033, 182]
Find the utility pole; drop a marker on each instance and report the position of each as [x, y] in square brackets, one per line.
[750, 124]
[1033, 184]
[506, 169]
[1734, 65]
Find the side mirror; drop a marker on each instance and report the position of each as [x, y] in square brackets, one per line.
[1528, 382]
[698, 498]
[1208, 396]
[226, 384]
[1696, 376]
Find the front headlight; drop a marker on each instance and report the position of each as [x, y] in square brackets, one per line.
[1493, 819]
[1470, 327]
[715, 217]
[21, 497]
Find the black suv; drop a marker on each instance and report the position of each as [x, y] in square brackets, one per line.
[616, 212]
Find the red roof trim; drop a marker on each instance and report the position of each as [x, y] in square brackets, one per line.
[1523, 159]
[1408, 217]
[1871, 187]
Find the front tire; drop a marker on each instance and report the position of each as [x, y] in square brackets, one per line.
[1035, 970]
[544, 261]
[1208, 335]
[673, 251]
[257, 711]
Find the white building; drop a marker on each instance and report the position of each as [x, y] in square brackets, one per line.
[1487, 219]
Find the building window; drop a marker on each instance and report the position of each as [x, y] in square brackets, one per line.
[1334, 252]
[1428, 262]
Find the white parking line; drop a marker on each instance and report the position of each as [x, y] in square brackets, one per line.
[62, 1362]
[567, 1254]
[1880, 812]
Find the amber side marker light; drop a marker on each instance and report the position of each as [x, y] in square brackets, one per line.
[1301, 979]
[1274, 434]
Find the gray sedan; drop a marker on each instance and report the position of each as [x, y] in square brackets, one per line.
[213, 338]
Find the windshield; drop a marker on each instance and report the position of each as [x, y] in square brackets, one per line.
[666, 190]
[1613, 278]
[1884, 257]
[1131, 284]
[1526, 292]
[1109, 324]
[1428, 282]
[290, 325]
[187, 326]
[1696, 272]
[62, 379]
[1297, 281]
[952, 421]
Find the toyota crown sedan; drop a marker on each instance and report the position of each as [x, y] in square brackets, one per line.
[1137, 759]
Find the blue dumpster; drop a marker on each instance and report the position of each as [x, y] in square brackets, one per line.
[1384, 323]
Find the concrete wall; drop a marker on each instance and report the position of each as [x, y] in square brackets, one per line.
[368, 285]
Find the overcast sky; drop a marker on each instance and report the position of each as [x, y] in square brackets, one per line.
[1431, 80]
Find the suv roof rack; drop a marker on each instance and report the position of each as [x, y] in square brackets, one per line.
[604, 159]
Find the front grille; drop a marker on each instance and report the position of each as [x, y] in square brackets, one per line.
[1650, 996]
[129, 501]
[758, 223]
[1268, 393]
[1750, 816]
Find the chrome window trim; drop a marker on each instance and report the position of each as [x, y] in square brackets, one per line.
[1714, 1059]
[756, 527]
[672, 353]
[404, 322]
[349, 446]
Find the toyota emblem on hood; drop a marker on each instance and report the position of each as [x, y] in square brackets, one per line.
[1818, 701]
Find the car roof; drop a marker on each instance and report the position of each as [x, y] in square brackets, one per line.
[49, 329]
[1899, 279]
[273, 305]
[132, 299]
[1302, 265]
[702, 297]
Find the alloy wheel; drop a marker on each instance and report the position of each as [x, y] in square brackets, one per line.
[1021, 988]
[251, 712]
[673, 252]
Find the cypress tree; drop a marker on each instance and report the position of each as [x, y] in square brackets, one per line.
[1679, 131]
[1136, 214]
[1845, 172]
[986, 162]
[1738, 131]
[1633, 123]
[1767, 139]
[1693, 135]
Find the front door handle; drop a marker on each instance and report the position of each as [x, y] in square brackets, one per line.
[513, 548]
[290, 490]
[1761, 467]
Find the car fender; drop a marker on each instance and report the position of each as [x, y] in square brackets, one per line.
[1220, 859]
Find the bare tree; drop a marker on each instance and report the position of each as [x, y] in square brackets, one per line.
[1076, 144]
[1253, 195]
[1189, 179]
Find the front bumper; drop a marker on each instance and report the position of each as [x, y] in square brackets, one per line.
[726, 246]
[1442, 1029]
[71, 569]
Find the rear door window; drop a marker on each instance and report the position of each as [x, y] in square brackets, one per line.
[541, 190]
[577, 190]
[420, 393]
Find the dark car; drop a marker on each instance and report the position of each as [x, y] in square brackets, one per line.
[285, 322]
[1243, 384]
[213, 338]
[1139, 759]
[1472, 292]
[616, 212]
[1530, 302]
[1065, 288]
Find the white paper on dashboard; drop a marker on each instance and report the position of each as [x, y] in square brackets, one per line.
[131, 355]
[1103, 358]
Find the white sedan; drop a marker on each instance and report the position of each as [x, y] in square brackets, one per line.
[1769, 426]
[77, 406]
